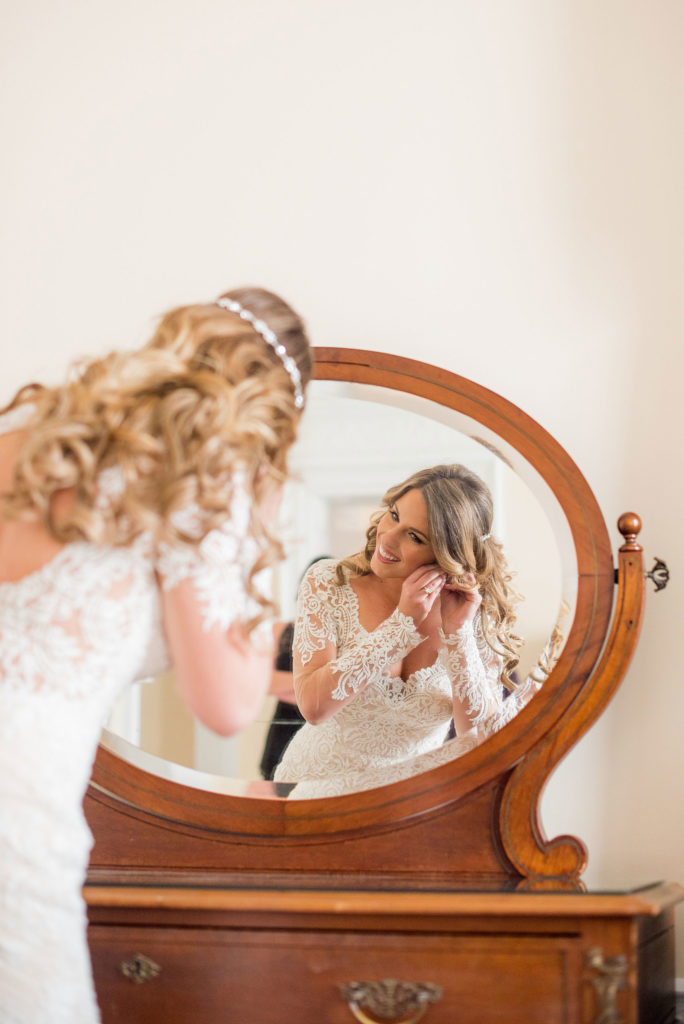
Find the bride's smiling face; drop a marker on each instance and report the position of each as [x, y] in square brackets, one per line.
[403, 539]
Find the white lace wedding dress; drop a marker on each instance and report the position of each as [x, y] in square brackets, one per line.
[72, 636]
[393, 728]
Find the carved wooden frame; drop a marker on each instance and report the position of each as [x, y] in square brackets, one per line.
[472, 823]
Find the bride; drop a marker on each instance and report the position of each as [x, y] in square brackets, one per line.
[135, 503]
[406, 643]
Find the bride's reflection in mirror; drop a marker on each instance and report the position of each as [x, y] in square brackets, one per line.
[354, 442]
[404, 653]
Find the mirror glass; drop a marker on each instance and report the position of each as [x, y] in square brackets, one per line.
[355, 442]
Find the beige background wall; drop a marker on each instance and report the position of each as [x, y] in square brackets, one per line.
[493, 187]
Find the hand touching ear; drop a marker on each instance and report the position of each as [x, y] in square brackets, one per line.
[420, 590]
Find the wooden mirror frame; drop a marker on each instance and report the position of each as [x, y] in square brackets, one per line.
[471, 823]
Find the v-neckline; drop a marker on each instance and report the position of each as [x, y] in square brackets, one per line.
[357, 608]
[355, 605]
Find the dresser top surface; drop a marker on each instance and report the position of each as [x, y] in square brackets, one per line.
[649, 900]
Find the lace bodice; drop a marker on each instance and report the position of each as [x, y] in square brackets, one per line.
[73, 634]
[392, 728]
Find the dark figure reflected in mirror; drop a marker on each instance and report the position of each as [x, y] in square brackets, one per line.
[396, 642]
[138, 501]
[287, 718]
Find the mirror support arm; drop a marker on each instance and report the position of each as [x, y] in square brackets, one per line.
[547, 863]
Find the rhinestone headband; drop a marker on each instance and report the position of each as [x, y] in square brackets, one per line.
[485, 536]
[271, 338]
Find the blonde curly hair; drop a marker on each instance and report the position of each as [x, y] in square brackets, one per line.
[460, 512]
[204, 401]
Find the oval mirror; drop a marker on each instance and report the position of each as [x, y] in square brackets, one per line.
[357, 439]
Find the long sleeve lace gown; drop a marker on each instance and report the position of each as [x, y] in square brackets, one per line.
[73, 635]
[392, 728]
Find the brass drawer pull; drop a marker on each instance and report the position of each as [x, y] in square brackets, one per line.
[139, 968]
[401, 1002]
[611, 978]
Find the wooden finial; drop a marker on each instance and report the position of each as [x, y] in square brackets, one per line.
[629, 525]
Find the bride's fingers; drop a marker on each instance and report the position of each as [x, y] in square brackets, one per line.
[427, 576]
[433, 586]
[467, 584]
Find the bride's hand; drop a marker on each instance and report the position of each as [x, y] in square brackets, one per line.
[419, 592]
[458, 605]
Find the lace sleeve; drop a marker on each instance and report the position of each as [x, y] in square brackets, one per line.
[479, 685]
[218, 567]
[516, 701]
[524, 693]
[475, 674]
[315, 625]
[323, 617]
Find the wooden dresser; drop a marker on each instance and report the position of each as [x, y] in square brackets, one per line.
[438, 896]
[254, 956]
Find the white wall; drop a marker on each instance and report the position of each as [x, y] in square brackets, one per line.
[493, 187]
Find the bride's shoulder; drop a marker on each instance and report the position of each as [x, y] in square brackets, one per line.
[322, 573]
[333, 571]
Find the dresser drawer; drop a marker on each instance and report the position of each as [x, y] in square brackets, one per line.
[206, 976]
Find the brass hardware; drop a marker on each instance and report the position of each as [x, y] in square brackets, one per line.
[612, 978]
[660, 574]
[139, 968]
[402, 1002]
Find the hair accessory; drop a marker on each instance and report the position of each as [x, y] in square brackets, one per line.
[486, 536]
[271, 338]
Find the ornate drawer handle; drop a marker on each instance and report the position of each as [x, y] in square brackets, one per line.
[401, 1002]
[610, 978]
[139, 968]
